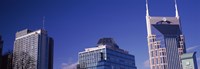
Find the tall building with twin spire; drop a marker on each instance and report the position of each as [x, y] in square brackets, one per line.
[166, 41]
[33, 50]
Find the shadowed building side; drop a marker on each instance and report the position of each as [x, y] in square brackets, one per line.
[1, 49]
[51, 52]
[7, 61]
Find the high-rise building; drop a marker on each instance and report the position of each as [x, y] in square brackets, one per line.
[33, 50]
[1, 49]
[165, 40]
[189, 61]
[107, 55]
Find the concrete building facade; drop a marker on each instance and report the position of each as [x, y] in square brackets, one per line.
[33, 50]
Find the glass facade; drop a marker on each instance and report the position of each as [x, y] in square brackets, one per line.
[106, 55]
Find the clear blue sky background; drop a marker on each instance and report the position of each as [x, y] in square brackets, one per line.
[78, 24]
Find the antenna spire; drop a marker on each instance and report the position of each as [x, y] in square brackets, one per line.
[176, 8]
[43, 21]
[147, 8]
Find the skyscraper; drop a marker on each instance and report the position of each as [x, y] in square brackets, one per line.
[33, 50]
[1, 49]
[107, 55]
[165, 40]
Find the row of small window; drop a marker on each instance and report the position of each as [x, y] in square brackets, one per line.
[32, 37]
[115, 60]
[152, 36]
[33, 53]
[118, 54]
[121, 60]
[90, 61]
[156, 53]
[159, 61]
[83, 64]
[160, 67]
[27, 42]
[33, 43]
[155, 38]
[90, 56]
[26, 47]
[92, 52]
[152, 40]
[108, 66]
[154, 46]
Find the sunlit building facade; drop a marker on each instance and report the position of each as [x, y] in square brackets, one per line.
[107, 55]
[165, 41]
[33, 50]
[189, 61]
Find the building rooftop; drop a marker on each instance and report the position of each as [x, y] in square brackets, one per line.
[188, 55]
[107, 42]
[27, 32]
[23, 32]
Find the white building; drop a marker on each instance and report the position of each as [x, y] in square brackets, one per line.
[33, 50]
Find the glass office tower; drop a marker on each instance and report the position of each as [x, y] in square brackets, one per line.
[165, 41]
[107, 55]
[33, 50]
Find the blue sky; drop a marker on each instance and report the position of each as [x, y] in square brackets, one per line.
[78, 24]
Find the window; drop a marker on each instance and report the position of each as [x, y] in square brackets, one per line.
[152, 61]
[151, 53]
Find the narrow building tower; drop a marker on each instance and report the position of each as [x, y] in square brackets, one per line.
[165, 40]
